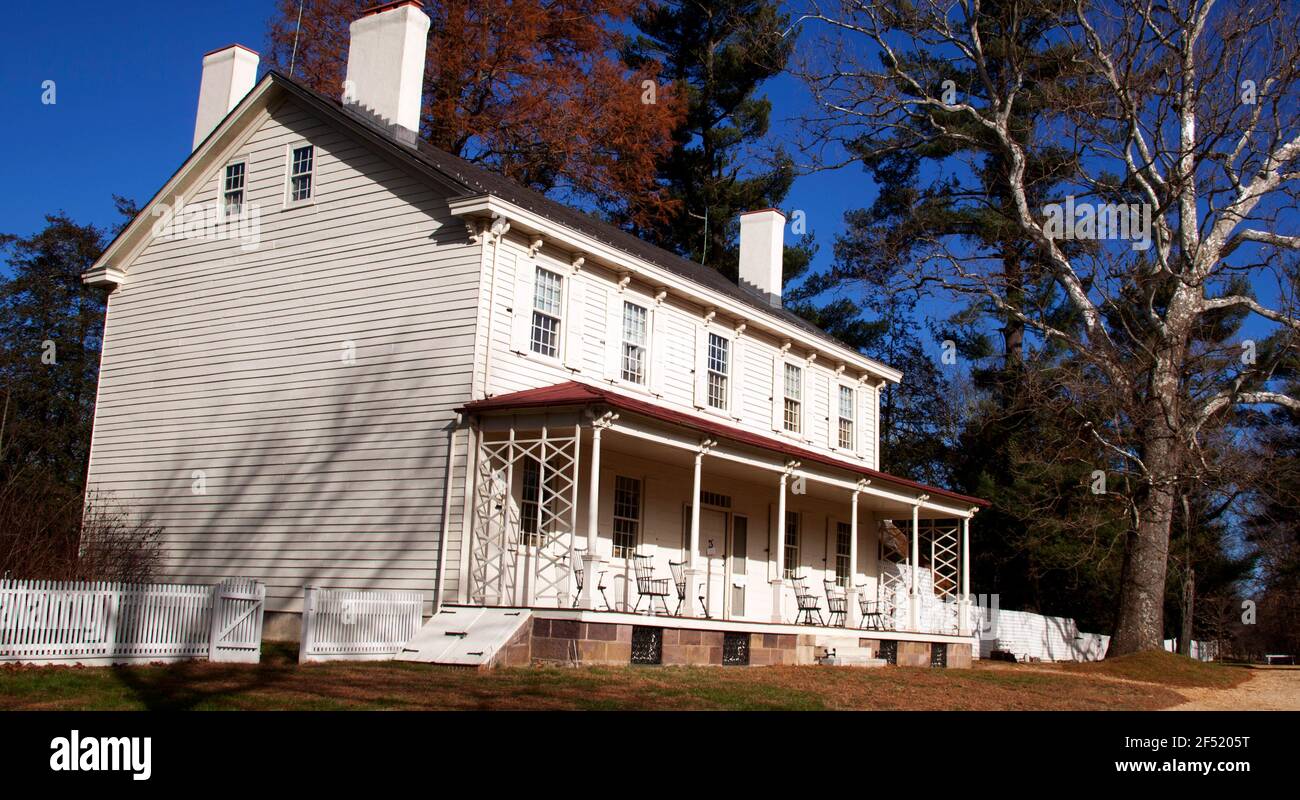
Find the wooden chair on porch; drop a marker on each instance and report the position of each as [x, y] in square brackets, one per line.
[873, 615]
[807, 602]
[837, 603]
[647, 585]
[579, 573]
[678, 569]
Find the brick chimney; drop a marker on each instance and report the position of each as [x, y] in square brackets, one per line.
[228, 75]
[762, 246]
[385, 74]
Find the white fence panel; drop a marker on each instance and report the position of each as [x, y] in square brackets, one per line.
[102, 622]
[353, 624]
[237, 623]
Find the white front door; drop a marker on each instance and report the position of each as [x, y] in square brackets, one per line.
[713, 554]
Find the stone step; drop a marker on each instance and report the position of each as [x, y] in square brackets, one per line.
[851, 656]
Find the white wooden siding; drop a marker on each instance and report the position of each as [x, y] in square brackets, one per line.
[228, 362]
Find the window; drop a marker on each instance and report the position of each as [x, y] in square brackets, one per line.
[232, 189]
[627, 515]
[635, 335]
[300, 172]
[791, 543]
[793, 398]
[548, 294]
[843, 569]
[530, 509]
[719, 363]
[846, 418]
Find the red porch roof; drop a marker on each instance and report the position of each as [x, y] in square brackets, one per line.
[572, 393]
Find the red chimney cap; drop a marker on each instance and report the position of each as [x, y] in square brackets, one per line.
[382, 7]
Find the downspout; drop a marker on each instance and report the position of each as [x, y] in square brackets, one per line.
[498, 229]
[440, 577]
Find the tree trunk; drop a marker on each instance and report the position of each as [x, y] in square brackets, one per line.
[1189, 606]
[1140, 622]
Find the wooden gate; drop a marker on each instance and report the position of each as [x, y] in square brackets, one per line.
[237, 609]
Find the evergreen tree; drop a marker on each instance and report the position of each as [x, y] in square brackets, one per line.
[719, 54]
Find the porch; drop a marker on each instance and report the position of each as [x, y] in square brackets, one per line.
[592, 507]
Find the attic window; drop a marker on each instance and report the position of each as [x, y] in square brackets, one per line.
[301, 163]
[232, 190]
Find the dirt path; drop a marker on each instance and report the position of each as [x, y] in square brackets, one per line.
[1267, 690]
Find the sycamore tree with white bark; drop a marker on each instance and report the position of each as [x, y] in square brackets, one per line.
[1173, 129]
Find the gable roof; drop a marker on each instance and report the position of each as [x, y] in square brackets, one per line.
[480, 180]
[573, 393]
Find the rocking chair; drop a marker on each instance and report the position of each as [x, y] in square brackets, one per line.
[837, 603]
[647, 585]
[807, 601]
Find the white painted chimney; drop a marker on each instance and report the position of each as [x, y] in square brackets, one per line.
[762, 246]
[385, 76]
[228, 75]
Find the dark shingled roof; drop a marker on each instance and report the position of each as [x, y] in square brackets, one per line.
[479, 180]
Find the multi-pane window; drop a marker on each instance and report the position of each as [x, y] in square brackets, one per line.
[300, 172]
[635, 337]
[627, 515]
[719, 366]
[232, 189]
[843, 570]
[530, 509]
[846, 418]
[793, 398]
[548, 294]
[791, 543]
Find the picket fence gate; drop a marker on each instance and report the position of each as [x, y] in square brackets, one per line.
[357, 625]
[107, 622]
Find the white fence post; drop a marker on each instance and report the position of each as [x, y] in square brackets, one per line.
[307, 642]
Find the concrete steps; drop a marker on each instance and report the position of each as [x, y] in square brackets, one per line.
[852, 656]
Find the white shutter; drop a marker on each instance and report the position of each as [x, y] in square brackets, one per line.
[771, 537]
[832, 412]
[613, 336]
[575, 313]
[701, 366]
[658, 349]
[522, 306]
[778, 393]
[806, 402]
[864, 425]
[736, 379]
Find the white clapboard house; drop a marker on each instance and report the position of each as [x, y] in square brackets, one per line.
[336, 356]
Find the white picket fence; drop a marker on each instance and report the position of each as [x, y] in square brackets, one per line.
[357, 625]
[102, 622]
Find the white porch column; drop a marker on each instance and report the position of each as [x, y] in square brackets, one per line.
[778, 580]
[964, 611]
[692, 573]
[854, 617]
[914, 594]
[591, 560]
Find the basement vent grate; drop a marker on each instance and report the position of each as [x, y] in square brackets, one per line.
[735, 649]
[889, 651]
[939, 655]
[647, 645]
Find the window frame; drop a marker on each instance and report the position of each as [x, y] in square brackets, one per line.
[646, 358]
[801, 401]
[534, 311]
[842, 558]
[792, 549]
[222, 191]
[310, 199]
[852, 446]
[627, 551]
[709, 372]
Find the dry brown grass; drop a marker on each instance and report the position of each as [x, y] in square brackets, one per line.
[280, 683]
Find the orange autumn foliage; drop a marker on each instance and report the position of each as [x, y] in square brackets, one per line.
[532, 88]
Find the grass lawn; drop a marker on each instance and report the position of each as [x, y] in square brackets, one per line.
[1140, 682]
